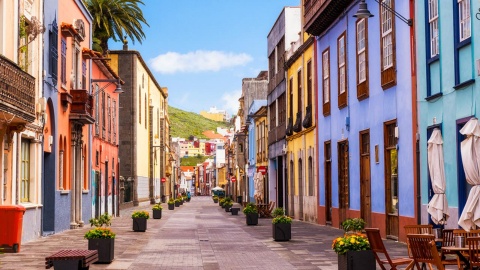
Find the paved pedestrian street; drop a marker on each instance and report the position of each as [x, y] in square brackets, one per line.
[197, 235]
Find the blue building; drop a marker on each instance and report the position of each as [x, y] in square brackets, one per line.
[448, 90]
[366, 111]
[252, 146]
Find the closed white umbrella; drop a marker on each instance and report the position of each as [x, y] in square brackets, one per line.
[470, 150]
[217, 188]
[438, 205]
[258, 182]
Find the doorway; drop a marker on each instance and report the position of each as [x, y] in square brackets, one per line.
[97, 197]
[391, 180]
[300, 189]
[328, 183]
[343, 180]
[365, 185]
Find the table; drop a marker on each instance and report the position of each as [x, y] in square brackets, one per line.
[263, 210]
[458, 251]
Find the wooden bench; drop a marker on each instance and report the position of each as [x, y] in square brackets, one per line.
[71, 259]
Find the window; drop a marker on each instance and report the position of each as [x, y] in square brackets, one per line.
[114, 120]
[273, 114]
[464, 19]
[361, 45]
[104, 116]
[299, 91]
[281, 105]
[140, 105]
[326, 81]
[24, 49]
[433, 25]
[387, 44]
[63, 66]
[362, 58]
[290, 88]
[97, 112]
[109, 112]
[387, 27]
[145, 107]
[309, 83]
[311, 183]
[53, 51]
[84, 75]
[25, 171]
[342, 71]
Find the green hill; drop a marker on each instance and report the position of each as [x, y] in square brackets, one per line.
[185, 124]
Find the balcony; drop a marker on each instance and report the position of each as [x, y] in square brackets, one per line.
[320, 14]
[17, 93]
[82, 106]
[298, 123]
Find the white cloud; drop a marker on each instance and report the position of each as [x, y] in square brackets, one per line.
[230, 101]
[198, 61]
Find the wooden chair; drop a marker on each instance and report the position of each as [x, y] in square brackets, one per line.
[271, 206]
[424, 250]
[417, 229]
[378, 248]
[474, 251]
[448, 241]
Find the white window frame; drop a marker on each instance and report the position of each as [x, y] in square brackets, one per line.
[464, 19]
[326, 77]
[361, 51]
[386, 26]
[433, 24]
[342, 74]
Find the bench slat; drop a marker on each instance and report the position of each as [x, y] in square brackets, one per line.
[86, 256]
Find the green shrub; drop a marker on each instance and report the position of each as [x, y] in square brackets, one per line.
[353, 224]
[100, 232]
[250, 208]
[157, 207]
[282, 219]
[171, 201]
[279, 211]
[141, 214]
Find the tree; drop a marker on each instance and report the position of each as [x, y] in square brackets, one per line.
[114, 19]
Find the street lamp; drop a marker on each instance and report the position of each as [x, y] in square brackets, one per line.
[364, 13]
[117, 81]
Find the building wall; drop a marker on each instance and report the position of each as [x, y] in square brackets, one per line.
[437, 77]
[371, 113]
[213, 116]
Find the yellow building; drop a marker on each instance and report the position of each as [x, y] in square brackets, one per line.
[261, 151]
[301, 130]
[214, 114]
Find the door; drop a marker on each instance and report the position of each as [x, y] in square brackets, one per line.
[343, 180]
[97, 198]
[280, 183]
[391, 180]
[328, 183]
[365, 188]
[106, 187]
[300, 189]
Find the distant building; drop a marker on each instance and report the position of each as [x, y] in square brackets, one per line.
[215, 114]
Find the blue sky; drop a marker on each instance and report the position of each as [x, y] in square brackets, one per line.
[201, 49]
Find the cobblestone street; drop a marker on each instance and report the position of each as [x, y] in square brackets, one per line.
[197, 235]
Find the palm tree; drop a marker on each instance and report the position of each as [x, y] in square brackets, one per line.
[114, 19]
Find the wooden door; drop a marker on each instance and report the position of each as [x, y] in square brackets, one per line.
[300, 189]
[343, 180]
[328, 183]
[365, 188]
[391, 180]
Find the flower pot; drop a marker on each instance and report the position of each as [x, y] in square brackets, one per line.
[215, 200]
[252, 219]
[234, 211]
[105, 248]
[177, 204]
[171, 206]
[356, 260]
[139, 224]
[227, 209]
[157, 214]
[282, 231]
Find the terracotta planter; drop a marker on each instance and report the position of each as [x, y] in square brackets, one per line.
[357, 260]
[157, 214]
[139, 224]
[252, 219]
[105, 248]
[282, 231]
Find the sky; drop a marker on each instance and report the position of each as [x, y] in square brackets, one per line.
[202, 49]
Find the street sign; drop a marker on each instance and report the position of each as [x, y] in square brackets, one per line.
[164, 180]
[233, 178]
[262, 169]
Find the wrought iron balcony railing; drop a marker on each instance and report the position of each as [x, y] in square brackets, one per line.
[17, 92]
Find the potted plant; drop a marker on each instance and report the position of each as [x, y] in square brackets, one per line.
[353, 225]
[354, 252]
[251, 214]
[227, 205]
[215, 199]
[101, 238]
[171, 204]
[177, 202]
[140, 220]
[221, 202]
[157, 211]
[281, 225]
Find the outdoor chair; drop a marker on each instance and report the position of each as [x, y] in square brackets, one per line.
[381, 254]
[474, 251]
[424, 250]
[447, 241]
[417, 229]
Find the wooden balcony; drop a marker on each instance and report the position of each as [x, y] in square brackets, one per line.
[320, 14]
[17, 93]
[276, 134]
[82, 106]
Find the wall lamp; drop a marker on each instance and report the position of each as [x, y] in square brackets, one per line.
[364, 13]
[117, 81]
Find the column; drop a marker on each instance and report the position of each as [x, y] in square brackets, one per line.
[73, 223]
[60, 170]
[80, 179]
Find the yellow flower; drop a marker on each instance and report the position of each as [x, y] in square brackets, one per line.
[352, 241]
[341, 243]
